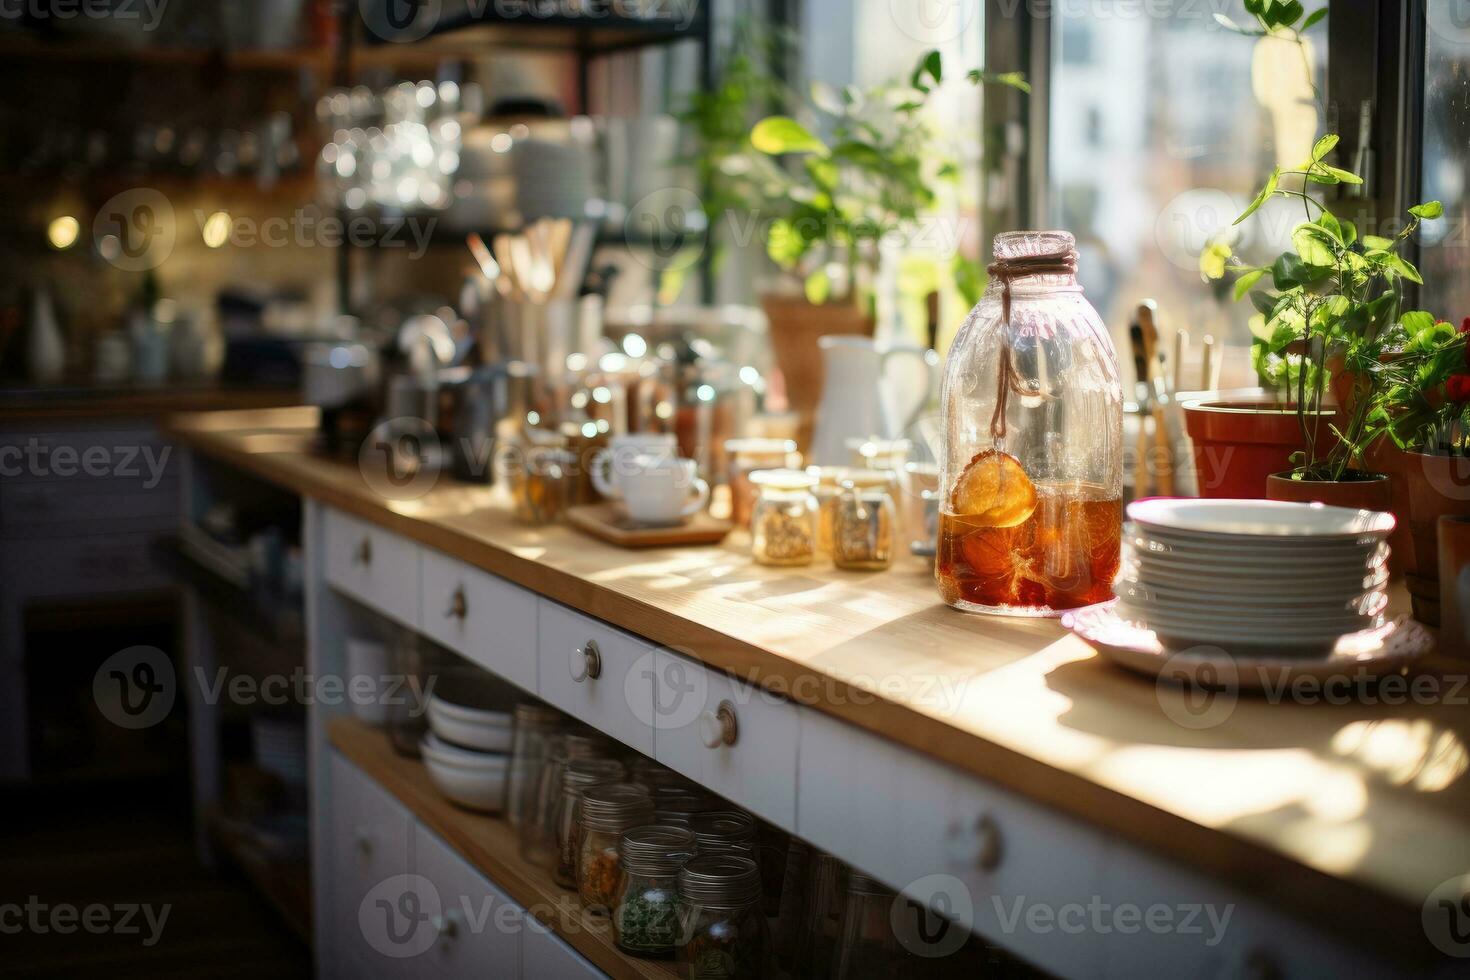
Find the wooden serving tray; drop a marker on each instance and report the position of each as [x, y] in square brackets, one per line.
[608, 522]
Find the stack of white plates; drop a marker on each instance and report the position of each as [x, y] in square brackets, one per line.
[476, 780]
[1254, 575]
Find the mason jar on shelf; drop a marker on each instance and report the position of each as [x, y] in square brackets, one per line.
[578, 776]
[607, 813]
[646, 914]
[723, 933]
[1031, 472]
[864, 521]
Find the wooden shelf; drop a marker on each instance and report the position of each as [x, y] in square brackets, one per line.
[284, 884]
[491, 846]
[65, 52]
[483, 27]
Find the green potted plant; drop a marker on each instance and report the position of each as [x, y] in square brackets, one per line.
[870, 174]
[1331, 305]
[1421, 407]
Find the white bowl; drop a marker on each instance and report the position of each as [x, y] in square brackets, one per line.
[471, 728]
[1263, 518]
[478, 786]
[454, 755]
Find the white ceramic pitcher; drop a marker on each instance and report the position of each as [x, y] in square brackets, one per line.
[866, 392]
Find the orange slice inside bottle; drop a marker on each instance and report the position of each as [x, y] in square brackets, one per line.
[994, 491]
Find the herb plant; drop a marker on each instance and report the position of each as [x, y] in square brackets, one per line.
[1332, 301]
[1423, 391]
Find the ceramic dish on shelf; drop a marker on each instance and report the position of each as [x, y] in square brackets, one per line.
[1230, 520]
[470, 728]
[476, 780]
[1388, 649]
[1269, 596]
[1253, 582]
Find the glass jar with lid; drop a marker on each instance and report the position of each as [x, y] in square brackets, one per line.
[724, 832]
[863, 521]
[879, 454]
[535, 728]
[829, 486]
[746, 457]
[723, 933]
[538, 829]
[646, 914]
[867, 946]
[579, 775]
[608, 812]
[1031, 472]
[783, 527]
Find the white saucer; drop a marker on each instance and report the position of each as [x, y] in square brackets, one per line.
[1389, 649]
[1280, 520]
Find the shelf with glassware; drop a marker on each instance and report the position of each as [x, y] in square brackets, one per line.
[549, 26]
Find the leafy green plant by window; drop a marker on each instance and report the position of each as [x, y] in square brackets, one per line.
[872, 173]
[1423, 400]
[1334, 300]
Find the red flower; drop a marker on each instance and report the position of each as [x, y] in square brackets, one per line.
[1465, 326]
[1457, 388]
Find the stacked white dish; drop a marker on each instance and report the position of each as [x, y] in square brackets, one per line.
[466, 750]
[1254, 576]
[472, 779]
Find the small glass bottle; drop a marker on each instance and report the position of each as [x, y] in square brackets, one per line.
[746, 457]
[863, 521]
[867, 947]
[783, 528]
[607, 813]
[828, 488]
[646, 914]
[723, 933]
[579, 775]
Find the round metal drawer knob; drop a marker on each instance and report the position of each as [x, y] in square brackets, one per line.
[365, 552]
[364, 842]
[459, 608]
[446, 926]
[587, 662]
[719, 727]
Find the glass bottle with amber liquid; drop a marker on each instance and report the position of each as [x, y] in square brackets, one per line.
[1031, 474]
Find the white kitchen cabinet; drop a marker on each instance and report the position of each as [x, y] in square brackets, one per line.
[485, 618]
[730, 737]
[545, 957]
[597, 673]
[478, 928]
[950, 841]
[374, 566]
[372, 844]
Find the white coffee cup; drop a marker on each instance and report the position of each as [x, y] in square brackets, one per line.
[626, 454]
[663, 492]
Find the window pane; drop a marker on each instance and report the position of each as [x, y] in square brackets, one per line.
[1447, 158]
[1163, 126]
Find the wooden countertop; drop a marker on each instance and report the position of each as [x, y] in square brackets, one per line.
[1349, 814]
[39, 403]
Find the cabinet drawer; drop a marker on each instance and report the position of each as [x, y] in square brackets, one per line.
[1212, 930]
[545, 957]
[485, 618]
[373, 566]
[597, 674]
[479, 927]
[951, 841]
[372, 836]
[733, 738]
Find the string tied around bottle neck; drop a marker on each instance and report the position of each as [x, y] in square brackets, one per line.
[1062, 262]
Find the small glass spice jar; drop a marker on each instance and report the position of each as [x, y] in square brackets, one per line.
[607, 813]
[646, 915]
[783, 528]
[863, 524]
[724, 832]
[578, 776]
[723, 933]
[538, 831]
[748, 456]
[827, 490]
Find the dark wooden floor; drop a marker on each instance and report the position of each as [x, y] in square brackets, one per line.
[128, 844]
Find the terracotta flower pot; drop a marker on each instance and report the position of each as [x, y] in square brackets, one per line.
[1437, 485]
[1385, 457]
[1239, 444]
[1454, 582]
[796, 325]
[1369, 491]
